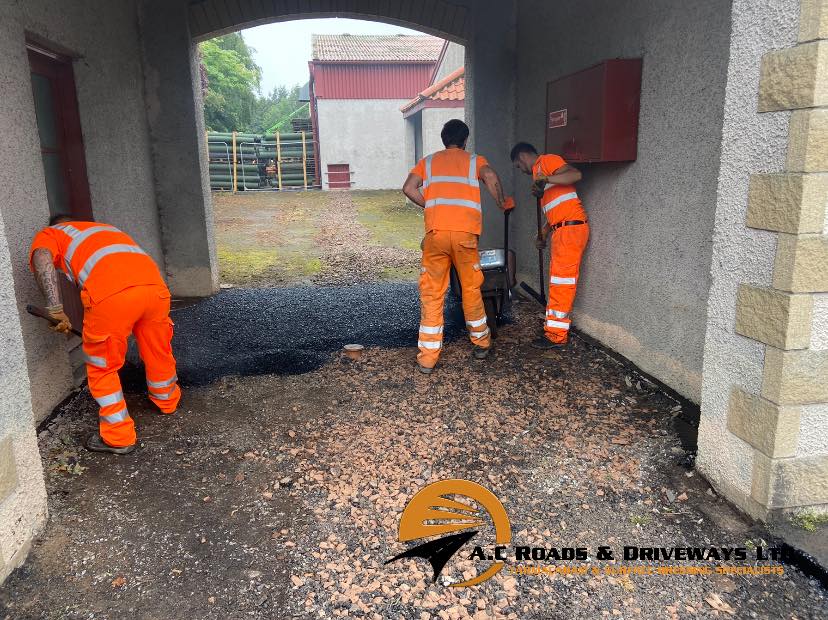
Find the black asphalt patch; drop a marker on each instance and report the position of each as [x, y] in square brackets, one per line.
[292, 330]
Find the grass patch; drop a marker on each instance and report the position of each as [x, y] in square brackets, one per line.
[400, 274]
[238, 265]
[390, 220]
[809, 520]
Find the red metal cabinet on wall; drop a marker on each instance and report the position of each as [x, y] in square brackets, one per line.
[592, 115]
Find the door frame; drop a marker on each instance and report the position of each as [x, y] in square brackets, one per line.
[57, 68]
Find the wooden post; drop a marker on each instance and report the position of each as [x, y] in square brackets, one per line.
[304, 160]
[279, 158]
[235, 167]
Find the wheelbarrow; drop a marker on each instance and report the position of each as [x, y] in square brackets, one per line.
[498, 266]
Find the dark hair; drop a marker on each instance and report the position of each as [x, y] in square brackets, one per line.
[57, 218]
[455, 133]
[522, 147]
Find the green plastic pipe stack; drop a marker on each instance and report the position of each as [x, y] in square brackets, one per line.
[253, 153]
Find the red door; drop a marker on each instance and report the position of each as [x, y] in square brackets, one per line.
[61, 149]
[339, 176]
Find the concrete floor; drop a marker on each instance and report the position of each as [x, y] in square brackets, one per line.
[278, 495]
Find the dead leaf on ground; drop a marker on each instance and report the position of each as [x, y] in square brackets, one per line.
[716, 602]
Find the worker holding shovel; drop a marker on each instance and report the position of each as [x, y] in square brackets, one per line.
[122, 292]
[566, 220]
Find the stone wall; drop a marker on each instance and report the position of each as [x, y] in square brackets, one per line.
[774, 419]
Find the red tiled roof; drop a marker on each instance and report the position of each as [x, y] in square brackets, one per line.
[375, 48]
[450, 88]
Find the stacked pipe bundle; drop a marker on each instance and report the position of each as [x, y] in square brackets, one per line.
[261, 161]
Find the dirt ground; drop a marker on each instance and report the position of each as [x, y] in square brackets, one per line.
[279, 495]
[286, 238]
[276, 490]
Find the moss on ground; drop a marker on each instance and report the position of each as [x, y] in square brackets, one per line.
[391, 221]
[809, 520]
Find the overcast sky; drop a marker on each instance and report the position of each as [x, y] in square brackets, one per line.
[284, 49]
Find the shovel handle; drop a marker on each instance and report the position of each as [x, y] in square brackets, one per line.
[41, 313]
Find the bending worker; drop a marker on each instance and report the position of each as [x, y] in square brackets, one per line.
[122, 292]
[553, 183]
[450, 195]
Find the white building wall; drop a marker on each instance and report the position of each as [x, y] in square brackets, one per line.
[454, 58]
[433, 121]
[368, 134]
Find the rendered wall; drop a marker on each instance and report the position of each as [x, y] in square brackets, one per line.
[22, 492]
[433, 121]
[113, 120]
[645, 278]
[454, 58]
[367, 134]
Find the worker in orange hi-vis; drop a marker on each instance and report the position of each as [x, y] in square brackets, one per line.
[446, 185]
[553, 183]
[122, 292]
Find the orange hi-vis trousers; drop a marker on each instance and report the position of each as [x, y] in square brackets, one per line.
[145, 312]
[441, 250]
[568, 244]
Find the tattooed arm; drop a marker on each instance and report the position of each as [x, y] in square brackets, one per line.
[492, 183]
[46, 277]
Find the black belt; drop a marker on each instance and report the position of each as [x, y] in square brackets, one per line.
[567, 223]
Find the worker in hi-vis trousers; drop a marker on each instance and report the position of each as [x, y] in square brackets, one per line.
[553, 182]
[446, 185]
[122, 292]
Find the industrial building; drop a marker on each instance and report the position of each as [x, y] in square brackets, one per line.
[708, 262]
[358, 84]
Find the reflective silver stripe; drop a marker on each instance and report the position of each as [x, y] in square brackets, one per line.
[554, 203]
[163, 395]
[559, 324]
[557, 313]
[476, 323]
[114, 418]
[110, 399]
[485, 332]
[558, 280]
[425, 329]
[162, 384]
[79, 237]
[116, 248]
[446, 179]
[427, 180]
[548, 186]
[94, 360]
[453, 202]
[425, 344]
[471, 179]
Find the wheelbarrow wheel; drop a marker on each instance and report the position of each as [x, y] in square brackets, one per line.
[490, 305]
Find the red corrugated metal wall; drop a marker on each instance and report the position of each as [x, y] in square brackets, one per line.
[370, 81]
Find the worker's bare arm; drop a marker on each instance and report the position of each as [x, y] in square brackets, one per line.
[411, 188]
[46, 276]
[493, 184]
[565, 175]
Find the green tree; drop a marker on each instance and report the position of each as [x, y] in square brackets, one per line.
[278, 106]
[233, 79]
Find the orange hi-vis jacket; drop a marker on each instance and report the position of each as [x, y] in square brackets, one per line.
[560, 203]
[451, 189]
[97, 257]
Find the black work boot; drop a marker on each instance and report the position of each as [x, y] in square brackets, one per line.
[425, 369]
[480, 353]
[96, 444]
[543, 343]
